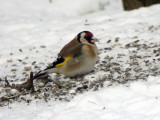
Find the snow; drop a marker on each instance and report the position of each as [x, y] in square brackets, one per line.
[27, 26]
[139, 101]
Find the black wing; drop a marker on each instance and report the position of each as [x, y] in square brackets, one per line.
[54, 64]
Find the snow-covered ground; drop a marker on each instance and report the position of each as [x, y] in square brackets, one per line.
[33, 32]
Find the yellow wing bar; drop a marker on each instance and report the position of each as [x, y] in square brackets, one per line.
[66, 59]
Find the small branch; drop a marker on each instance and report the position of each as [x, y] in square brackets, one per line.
[2, 99]
[26, 85]
[8, 98]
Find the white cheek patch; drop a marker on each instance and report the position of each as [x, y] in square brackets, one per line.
[82, 37]
[84, 41]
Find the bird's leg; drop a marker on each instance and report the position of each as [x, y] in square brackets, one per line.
[57, 74]
[59, 86]
[77, 77]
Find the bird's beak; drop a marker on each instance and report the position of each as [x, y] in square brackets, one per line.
[94, 39]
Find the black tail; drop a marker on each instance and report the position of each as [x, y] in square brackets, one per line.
[53, 65]
[40, 74]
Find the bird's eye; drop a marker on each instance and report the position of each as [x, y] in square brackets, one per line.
[87, 38]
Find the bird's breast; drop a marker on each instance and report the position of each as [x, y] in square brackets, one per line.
[90, 51]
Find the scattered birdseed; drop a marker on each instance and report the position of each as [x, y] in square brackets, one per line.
[42, 46]
[141, 61]
[27, 68]
[9, 61]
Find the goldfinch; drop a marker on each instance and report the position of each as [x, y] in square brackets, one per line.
[76, 58]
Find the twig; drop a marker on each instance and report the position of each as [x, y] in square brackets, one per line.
[2, 99]
[8, 98]
[26, 85]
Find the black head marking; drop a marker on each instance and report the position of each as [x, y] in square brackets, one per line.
[79, 35]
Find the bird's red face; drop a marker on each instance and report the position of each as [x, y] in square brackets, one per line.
[87, 37]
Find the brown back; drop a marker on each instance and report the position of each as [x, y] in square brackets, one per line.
[72, 48]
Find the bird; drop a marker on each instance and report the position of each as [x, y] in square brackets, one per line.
[76, 58]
